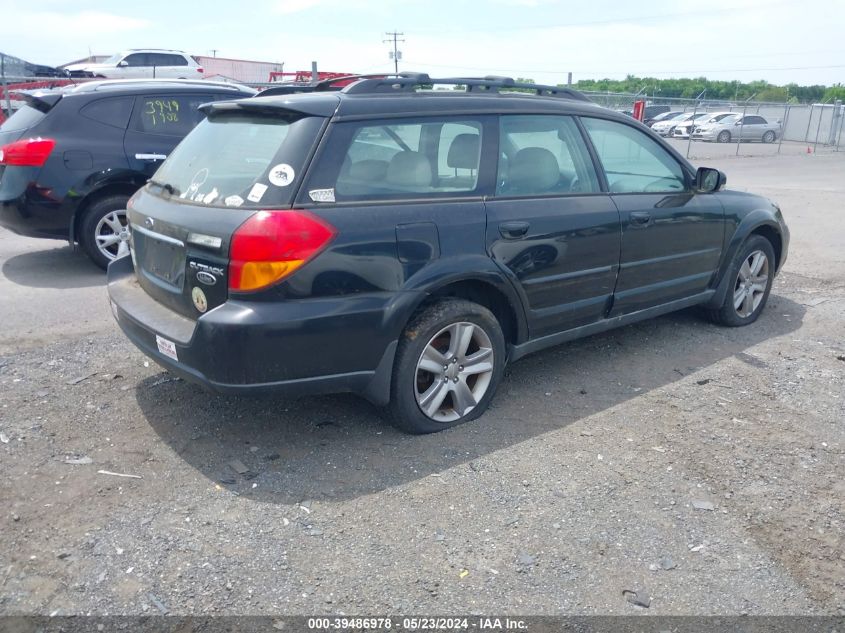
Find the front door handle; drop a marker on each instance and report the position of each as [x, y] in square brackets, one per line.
[513, 230]
[640, 218]
[150, 156]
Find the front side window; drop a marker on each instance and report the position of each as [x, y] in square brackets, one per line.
[401, 159]
[170, 115]
[632, 161]
[543, 155]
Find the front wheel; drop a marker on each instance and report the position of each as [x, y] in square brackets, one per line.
[724, 137]
[448, 364]
[104, 230]
[752, 273]
[769, 137]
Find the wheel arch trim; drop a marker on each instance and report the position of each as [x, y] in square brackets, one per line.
[759, 221]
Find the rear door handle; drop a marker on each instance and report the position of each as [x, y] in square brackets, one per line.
[513, 230]
[150, 156]
[640, 218]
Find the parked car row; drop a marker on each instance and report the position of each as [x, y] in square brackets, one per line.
[722, 127]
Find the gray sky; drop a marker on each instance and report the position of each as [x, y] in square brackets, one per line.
[780, 41]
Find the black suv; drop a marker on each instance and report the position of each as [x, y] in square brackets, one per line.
[404, 242]
[71, 158]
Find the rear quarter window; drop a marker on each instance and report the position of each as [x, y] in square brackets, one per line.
[399, 159]
[114, 111]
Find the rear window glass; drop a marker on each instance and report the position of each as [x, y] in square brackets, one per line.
[23, 119]
[239, 159]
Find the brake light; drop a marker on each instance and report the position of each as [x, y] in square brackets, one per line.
[31, 152]
[200, 70]
[271, 245]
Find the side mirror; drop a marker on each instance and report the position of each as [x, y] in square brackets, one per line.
[708, 180]
[123, 63]
[738, 123]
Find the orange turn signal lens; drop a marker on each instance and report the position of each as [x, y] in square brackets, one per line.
[259, 274]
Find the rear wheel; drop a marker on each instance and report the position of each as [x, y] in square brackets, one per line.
[448, 364]
[104, 231]
[769, 137]
[724, 137]
[752, 273]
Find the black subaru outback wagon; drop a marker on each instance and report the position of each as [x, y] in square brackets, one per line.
[404, 242]
[71, 158]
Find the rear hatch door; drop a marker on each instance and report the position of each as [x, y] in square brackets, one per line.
[238, 161]
[22, 123]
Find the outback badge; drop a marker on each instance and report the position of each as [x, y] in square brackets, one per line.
[199, 299]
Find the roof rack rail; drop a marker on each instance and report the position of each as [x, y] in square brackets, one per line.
[409, 82]
[326, 84]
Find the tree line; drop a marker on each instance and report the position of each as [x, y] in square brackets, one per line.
[735, 91]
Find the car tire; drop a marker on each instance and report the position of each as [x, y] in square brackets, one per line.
[769, 137]
[749, 289]
[431, 367]
[724, 137]
[100, 224]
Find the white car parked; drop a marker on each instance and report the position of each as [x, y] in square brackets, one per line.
[142, 63]
[683, 130]
[667, 126]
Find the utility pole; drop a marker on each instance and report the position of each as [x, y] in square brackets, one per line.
[214, 52]
[395, 54]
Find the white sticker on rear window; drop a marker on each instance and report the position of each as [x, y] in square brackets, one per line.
[281, 175]
[168, 348]
[211, 197]
[233, 201]
[321, 195]
[257, 192]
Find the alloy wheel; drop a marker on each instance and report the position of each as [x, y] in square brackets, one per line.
[751, 283]
[112, 234]
[454, 371]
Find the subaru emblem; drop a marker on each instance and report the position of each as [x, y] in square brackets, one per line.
[206, 278]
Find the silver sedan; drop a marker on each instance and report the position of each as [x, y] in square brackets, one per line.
[750, 127]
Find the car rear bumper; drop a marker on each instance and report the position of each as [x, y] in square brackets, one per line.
[29, 210]
[293, 347]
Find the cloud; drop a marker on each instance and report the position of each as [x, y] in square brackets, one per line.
[82, 23]
[295, 6]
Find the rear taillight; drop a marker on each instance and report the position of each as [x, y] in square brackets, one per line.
[199, 70]
[31, 152]
[271, 245]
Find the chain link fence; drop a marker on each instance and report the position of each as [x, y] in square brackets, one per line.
[798, 128]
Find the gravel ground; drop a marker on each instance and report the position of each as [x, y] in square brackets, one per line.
[697, 466]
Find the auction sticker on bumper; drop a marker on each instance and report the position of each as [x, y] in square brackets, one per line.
[168, 348]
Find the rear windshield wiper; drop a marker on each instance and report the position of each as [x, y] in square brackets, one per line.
[166, 186]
